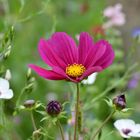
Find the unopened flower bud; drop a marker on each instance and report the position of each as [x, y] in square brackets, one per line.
[29, 72]
[8, 75]
[7, 53]
[53, 108]
[29, 103]
[120, 102]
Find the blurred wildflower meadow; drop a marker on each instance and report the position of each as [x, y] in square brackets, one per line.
[89, 92]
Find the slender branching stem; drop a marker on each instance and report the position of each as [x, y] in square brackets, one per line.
[61, 130]
[102, 125]
[76, 113]
[35, 137]
[33, 121]
[1, 112]
[19, 97]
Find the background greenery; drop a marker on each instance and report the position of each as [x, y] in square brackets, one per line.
[34, 19]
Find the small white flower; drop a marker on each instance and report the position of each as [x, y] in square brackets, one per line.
[91, 79]
[127, 128]
[77, 36]
[5, 92]
[8, 75]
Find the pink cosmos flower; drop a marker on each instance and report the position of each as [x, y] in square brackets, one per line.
[115, 16]
[70, 62]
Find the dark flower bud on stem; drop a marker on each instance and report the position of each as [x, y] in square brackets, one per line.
[53, 108]
[29, 103]
[120, 102]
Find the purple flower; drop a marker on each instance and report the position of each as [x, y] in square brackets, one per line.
[70, 62]
[136, 32]
[134, 81]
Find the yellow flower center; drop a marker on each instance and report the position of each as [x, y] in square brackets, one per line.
[75, 70]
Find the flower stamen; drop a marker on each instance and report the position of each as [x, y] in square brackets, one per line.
[75, 70]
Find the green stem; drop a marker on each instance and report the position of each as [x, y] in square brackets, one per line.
[124, 138]
[3, 122]
[76, 113]
[2, 116]
[35, 137]
[19, 97]
[61, 129]
[33, 121]
[102, 125]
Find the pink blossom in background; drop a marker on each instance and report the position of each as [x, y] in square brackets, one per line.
[114, 15]
[72, 63]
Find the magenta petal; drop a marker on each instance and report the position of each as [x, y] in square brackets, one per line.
[93, 56]
[65, 47]
[107, 58]
[108, 61]
[48, 74]
[85, 43]
[90, 71]
[60, 71]
[48, 54]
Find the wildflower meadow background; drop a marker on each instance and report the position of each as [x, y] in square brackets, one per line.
[69, 70]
